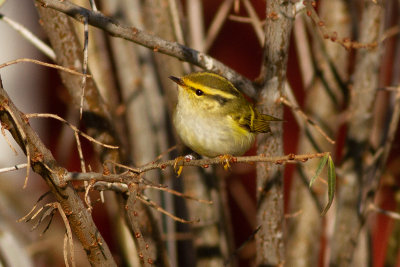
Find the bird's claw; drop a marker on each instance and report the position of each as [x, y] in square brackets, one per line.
[225, 161]
[178, 169]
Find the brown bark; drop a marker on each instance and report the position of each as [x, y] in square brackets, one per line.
[45, 165]
[305, 231]
[270, 214]
[348, 220]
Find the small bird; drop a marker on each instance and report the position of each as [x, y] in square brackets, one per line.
[214, 118]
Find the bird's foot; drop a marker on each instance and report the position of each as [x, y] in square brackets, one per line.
[226, 160]
[179, 167]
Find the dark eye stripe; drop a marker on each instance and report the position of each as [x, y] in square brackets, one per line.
[221, 100]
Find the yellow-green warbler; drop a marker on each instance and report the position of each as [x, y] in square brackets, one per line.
[213, 118]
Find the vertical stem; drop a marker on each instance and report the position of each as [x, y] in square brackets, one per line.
[366, 74]
[306, 229]
[270, 214]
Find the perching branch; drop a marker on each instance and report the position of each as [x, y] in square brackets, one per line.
[133, 173]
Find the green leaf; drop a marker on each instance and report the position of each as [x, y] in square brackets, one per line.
[331, 185]
[321, 166]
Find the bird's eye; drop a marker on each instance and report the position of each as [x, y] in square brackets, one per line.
[199, 92]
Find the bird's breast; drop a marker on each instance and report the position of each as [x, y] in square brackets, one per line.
[211, 134]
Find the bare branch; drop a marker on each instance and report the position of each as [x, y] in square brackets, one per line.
[155, 43]
[308, 120]
[39, 44]
[204, 163]
[14, 168]
[333, 36]
[68, 234]
[217, 23]
[42, 160]
[154, 205]
[270, 212]
[43, 64]
[391, 214]
[255, 21]
[74, 128]
[132, 211]
[85, 62]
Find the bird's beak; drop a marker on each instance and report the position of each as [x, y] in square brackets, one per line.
[177, 80]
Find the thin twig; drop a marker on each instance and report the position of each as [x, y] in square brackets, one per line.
[333, 36]
[242, 19]
[246, 242]
[154, 205]
[390, 214]
[85, 62]
[81, 221]
[25, 218]
[65, 249]
[205, 163]
[7, 140]
[14, 168]
[179, 194]
[88, 176]
[176, 24]
[306, 119]
[195, 19]
[302, 44]
[391, 32]
[36, 42]
[80, 152]
[116, 164]
[217, 23]
[102, 184]
[153, 42]
[25, 142]
[43, 64]
[93, 5]
[116, 187]
[164, 153]
[69, 232]
[236, 6]
[74, 128]
[132, 212]
[255, 21]
[87, 198]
